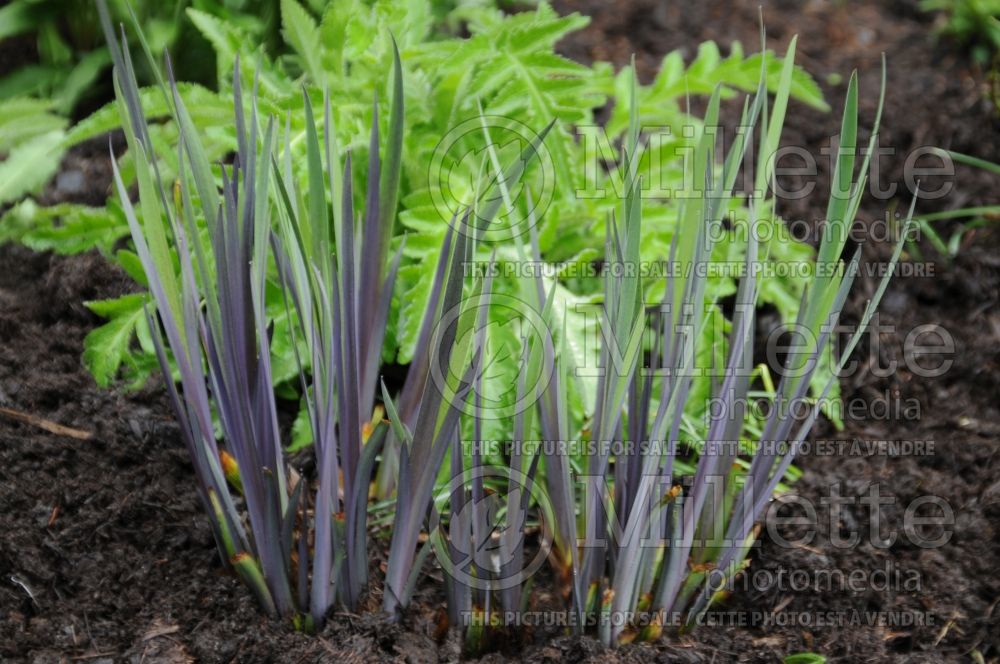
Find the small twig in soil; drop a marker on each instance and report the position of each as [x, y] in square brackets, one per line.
[86, 624]
[160, 631]
[952, 621]
[48, 425]
[326, 645]
[24, 586]
[92, 655]
[785, 601]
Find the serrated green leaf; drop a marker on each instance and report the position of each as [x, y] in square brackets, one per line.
[130, 262]
[65, 228]
[107, 346]
[30, 165]
[302, 435]
[24, 118]
[302, 34]
[225, 38]
[80, 79]
[208, 110]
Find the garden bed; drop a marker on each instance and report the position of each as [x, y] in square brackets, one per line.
[106, 555]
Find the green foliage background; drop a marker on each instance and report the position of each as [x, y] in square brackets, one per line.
[507, 65]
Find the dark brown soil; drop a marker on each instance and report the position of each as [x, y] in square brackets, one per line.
[105, 556]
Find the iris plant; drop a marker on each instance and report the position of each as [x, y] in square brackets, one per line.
[631, 535]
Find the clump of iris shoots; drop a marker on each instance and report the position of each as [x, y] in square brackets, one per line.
[650, 531]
